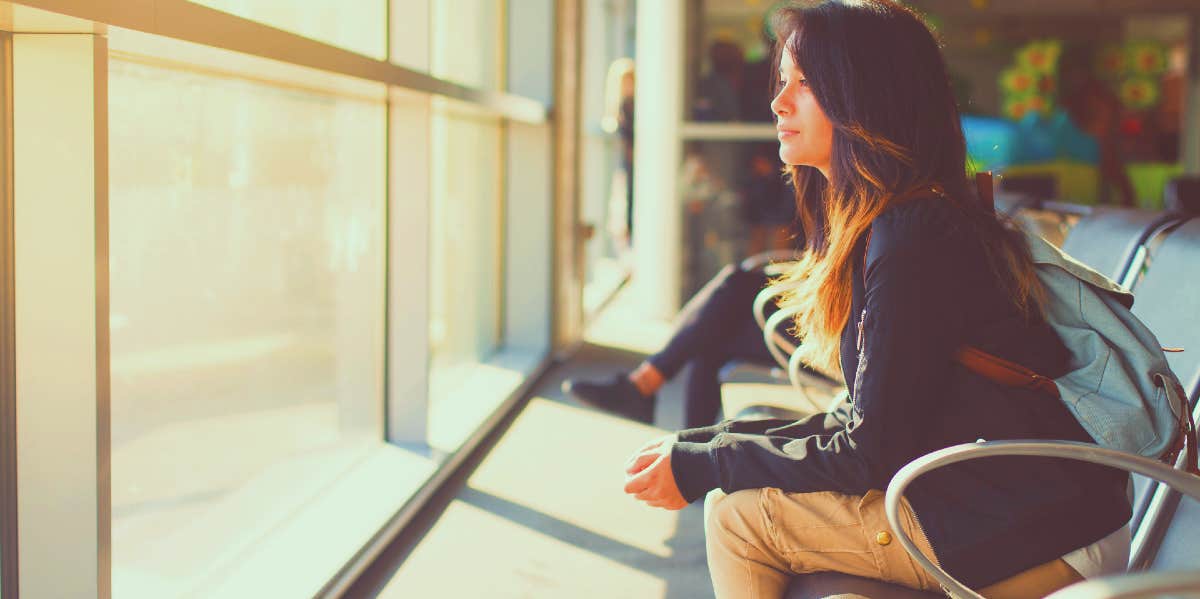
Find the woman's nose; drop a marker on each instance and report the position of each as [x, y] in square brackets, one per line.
[779, 106]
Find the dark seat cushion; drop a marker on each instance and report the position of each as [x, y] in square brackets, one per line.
[830, 584]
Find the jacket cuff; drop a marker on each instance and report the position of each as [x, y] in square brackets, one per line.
[702, 434]
[694, 468]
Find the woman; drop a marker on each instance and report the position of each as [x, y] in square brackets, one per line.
[902, 267]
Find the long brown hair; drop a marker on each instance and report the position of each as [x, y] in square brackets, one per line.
[878, 74]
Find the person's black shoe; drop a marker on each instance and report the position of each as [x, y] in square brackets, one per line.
[616, 395]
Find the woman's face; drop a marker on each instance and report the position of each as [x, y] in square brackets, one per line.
[805, 133]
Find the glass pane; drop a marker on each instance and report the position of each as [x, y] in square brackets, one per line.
[246, 312]
[736, 203]
[360, 26]
[606, 196]
[728, 63]
[466, 42]
[466, 292]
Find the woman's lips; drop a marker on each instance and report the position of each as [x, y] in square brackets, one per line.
[785, 133]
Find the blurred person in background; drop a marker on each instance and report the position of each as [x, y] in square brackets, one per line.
[1097, 111]
[718, 92]
[618, 119]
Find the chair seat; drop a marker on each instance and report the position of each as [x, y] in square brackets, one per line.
[751, 372]
[830, 584]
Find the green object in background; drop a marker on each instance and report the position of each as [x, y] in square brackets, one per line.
[1134, 70]
[1149, 180]
[1147, 58]
[1030, 83]
[1018, 82]
[1077, 182]
[1139, 93]
[1041, 57]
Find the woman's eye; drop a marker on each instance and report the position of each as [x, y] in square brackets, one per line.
[802, 81]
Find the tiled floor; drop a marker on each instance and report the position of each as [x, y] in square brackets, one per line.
[544, 514]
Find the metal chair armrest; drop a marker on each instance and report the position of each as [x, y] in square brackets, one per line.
[801, 378]
[793, 369]
[1086, 452]
[1134, 586]
[764, 297]
[764, 259]
[779, 347]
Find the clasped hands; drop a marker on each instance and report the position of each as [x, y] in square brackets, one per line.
[649, 478]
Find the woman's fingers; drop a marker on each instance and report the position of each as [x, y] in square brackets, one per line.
[638, 483]
[639, 462]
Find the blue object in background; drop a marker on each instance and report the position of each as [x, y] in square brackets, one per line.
[1070, 141]
[991, 142]
[995, 143]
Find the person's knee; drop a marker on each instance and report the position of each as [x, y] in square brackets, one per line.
[730, 513]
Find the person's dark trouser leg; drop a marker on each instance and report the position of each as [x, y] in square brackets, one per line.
[717, 313]
[702, 386]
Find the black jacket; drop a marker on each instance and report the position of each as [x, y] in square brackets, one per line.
[928, 290]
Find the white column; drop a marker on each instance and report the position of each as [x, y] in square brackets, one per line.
[408, 233]
[657, 153]
[61, 297]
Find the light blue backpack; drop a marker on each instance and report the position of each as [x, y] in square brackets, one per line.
[1118, 386]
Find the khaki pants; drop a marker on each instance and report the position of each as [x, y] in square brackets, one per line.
[758, 539]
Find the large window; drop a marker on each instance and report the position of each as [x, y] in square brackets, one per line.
[265, 275]
[361, 28]
[467, 42]
[735, 202]
[247, 311]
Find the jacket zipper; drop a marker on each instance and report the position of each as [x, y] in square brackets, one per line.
[860, 344]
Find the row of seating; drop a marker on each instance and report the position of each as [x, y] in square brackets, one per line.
[1156, 255]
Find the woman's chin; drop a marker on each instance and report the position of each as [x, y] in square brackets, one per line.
[793, 160]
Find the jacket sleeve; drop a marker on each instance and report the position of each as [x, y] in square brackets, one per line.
[821, 422]
[912, 324]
